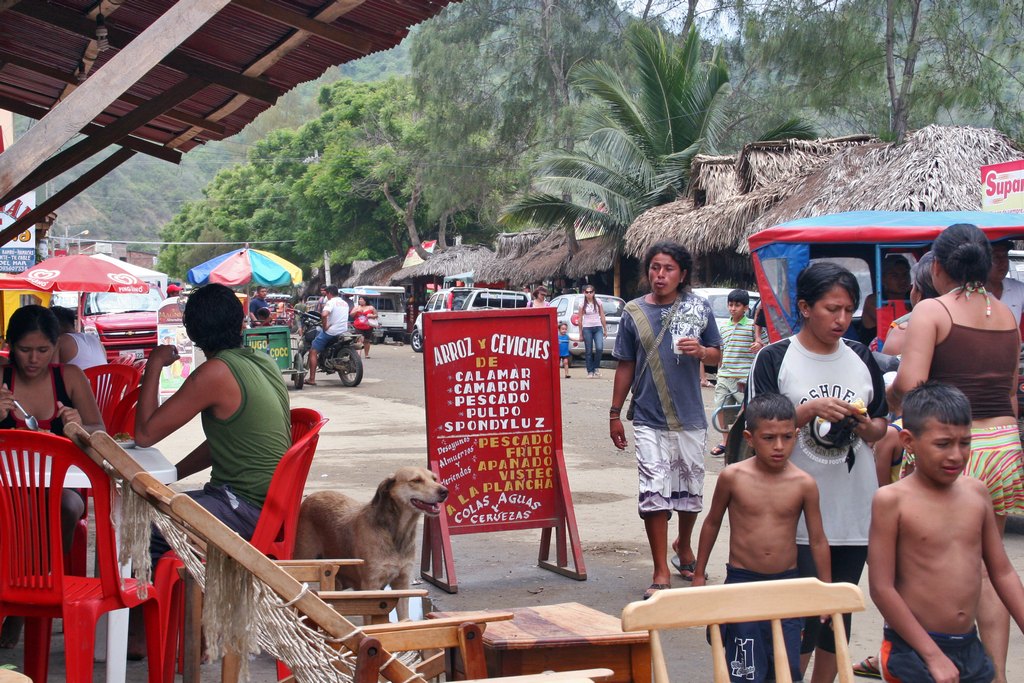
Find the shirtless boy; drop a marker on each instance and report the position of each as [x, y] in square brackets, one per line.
[920, 551]
[765, 496]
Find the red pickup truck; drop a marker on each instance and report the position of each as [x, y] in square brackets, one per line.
[125, 323]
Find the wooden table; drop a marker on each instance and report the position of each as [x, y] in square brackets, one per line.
[561, 637]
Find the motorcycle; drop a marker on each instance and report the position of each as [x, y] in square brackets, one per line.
[341, 355]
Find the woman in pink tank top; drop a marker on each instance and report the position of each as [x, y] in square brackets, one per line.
[969, 339]
[593, 328]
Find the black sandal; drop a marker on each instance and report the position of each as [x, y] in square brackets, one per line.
[686, 571]
[718, 450]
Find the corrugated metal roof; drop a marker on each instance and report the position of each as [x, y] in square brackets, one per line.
[42, 44]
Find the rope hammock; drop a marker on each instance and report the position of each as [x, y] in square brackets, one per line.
[242, 614]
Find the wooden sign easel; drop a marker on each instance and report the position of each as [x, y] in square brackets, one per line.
[494, 436]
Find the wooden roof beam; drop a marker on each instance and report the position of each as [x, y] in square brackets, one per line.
[271, 57]
[63, 122]
[91, 51]
[214, 128]
[121, 40]
[106, 136]
[341, 36]
[142, 146]
[66, 193]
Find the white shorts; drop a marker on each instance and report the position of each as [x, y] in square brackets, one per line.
[671, 469]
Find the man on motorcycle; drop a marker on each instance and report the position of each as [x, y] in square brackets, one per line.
[334, 319]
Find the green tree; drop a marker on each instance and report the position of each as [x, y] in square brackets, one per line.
[349, 182]
[890, 67]
[639, 141]
[492, 84]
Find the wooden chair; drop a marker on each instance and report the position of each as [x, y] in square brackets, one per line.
[736, 603]
[373, 658]
[584, 676]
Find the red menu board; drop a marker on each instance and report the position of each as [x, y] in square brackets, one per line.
[494, 431]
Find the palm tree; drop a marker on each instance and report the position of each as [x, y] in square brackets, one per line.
[638, 143]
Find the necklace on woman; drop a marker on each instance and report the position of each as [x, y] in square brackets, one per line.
[969, 288]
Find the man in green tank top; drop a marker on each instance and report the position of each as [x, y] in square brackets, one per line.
[244, 408]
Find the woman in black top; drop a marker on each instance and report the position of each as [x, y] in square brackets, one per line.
[54, 394]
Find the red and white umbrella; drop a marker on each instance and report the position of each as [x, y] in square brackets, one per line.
[81, 273]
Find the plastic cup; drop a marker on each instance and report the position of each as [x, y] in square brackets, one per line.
[676, 338]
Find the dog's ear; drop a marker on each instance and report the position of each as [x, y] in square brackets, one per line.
[383, 491]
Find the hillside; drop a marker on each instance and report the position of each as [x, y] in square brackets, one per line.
[138, 198]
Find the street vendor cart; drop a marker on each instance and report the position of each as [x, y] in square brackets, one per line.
[282, 345]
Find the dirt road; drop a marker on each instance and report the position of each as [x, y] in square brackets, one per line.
[379, 426]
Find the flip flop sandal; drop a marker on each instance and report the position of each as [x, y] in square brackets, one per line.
[654, 588]
[718, 450]
[687, 568]
[866, 669]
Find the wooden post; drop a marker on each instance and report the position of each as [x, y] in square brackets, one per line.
[65, 194]
[87, 102]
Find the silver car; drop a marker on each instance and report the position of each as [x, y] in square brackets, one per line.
[568, 306]
[718, 297]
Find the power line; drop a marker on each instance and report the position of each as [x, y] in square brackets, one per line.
[106, 241]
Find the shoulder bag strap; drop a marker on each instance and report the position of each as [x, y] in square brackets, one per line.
[653, 360]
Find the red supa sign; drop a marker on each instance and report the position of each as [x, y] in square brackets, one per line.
[494, 432]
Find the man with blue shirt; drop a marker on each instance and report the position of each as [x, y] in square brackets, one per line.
[662, 340]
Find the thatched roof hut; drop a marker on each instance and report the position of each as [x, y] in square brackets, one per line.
[595, 255]
[935, 169]
[530, 256]
[376, 274]
[536, 255]
[765, 172]
[762, 164]
[713, 179]
[452, 261]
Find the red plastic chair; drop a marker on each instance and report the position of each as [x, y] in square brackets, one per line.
[32, 579]
[123, 421]
[275, 530]
[109, 385]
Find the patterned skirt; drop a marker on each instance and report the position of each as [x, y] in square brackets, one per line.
[996, 459]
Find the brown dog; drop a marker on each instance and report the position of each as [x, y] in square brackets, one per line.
[381, 532]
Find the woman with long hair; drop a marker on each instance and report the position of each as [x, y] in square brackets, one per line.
[593, 327]
[54, 395]
[970, 339]
[839, 395]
